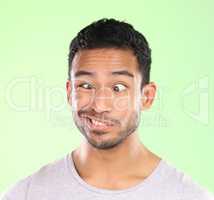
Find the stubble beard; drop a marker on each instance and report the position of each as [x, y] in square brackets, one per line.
[128, 127]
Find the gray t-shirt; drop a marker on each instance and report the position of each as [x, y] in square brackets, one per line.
[59, 180]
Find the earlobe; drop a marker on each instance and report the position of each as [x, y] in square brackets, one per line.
[144, 102]
[148, 95]
[68, 91]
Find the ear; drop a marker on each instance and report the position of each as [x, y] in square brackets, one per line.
[69, 90]
[148, 95]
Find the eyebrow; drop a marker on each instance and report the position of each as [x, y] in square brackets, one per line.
[123, 72]
[87, 73]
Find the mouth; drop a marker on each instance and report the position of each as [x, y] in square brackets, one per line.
[98, 124]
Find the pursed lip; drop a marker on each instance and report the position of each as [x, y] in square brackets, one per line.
[108, 123]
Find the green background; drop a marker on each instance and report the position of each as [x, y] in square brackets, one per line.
[36, 122]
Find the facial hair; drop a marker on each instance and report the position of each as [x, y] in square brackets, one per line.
[127, 126]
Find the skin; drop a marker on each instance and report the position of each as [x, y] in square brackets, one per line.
[107, 159]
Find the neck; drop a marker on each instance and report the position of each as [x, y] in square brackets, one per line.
[118, 162]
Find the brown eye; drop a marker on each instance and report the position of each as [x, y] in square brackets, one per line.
[86, 86]
[119, 87]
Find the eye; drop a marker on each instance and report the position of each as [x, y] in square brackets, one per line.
[86, 86]
[119, 87]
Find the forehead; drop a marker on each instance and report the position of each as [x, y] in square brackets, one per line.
[105, 60]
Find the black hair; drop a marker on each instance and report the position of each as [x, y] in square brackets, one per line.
[111, 33]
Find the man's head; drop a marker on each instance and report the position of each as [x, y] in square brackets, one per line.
[108, 81]
[107, 33]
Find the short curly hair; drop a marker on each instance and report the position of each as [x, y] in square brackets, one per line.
[111, 33]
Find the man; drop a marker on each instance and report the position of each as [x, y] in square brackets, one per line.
[108, 87]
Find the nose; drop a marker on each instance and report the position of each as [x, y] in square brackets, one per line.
[102, 100]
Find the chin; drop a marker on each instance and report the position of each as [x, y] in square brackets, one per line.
[102, 142]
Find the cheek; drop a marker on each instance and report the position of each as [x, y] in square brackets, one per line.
[124, 103]
[82, 99]
[121, 104]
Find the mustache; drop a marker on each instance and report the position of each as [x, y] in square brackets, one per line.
[96, 115]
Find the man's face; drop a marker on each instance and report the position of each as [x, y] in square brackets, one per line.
[105, 95]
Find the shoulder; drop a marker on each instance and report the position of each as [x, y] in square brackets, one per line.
[44, 175]
[184, 185]
[18, 189]
[190, 189]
